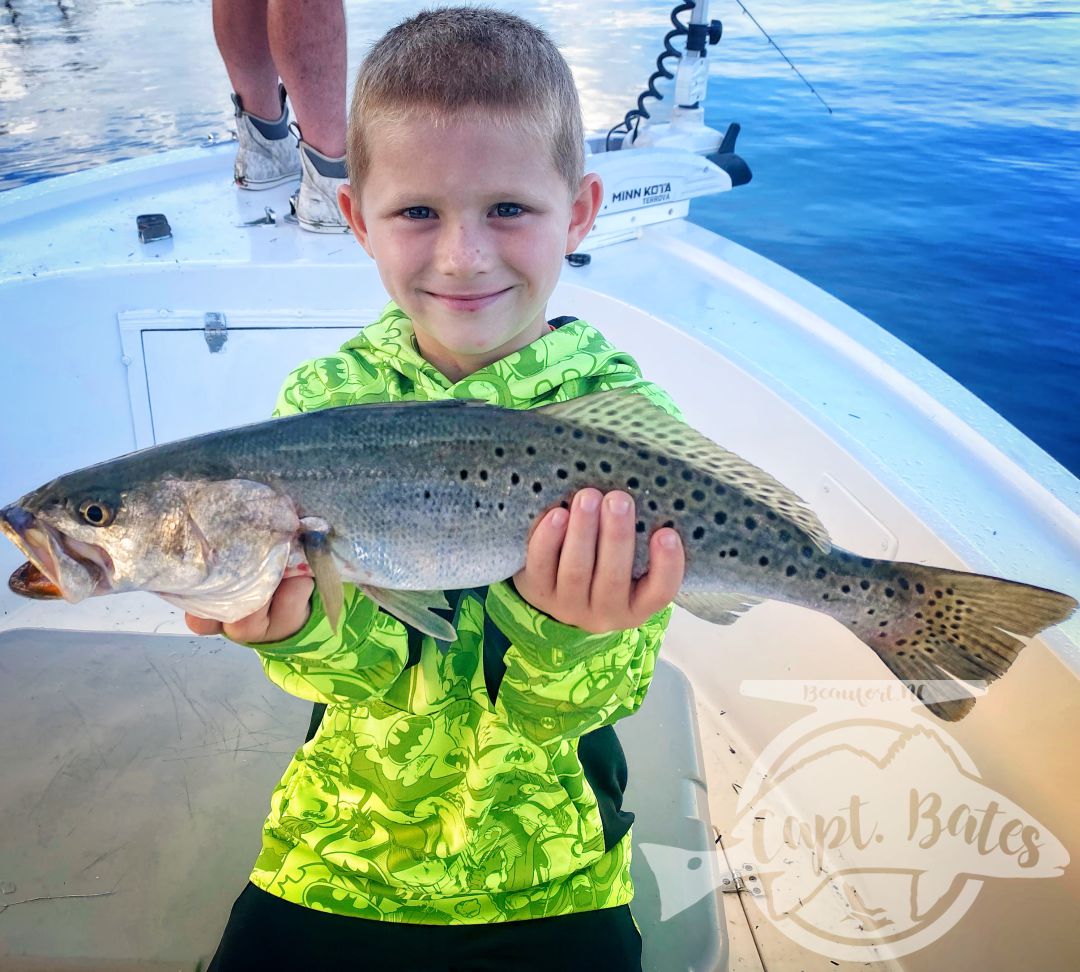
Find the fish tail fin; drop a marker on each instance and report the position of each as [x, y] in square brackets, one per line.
[952, 627]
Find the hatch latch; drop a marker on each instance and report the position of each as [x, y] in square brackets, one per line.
[215, 331]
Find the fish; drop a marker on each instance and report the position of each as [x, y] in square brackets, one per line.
[406, 500]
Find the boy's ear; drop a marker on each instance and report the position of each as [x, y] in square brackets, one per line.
[350, 209]
[586, 204]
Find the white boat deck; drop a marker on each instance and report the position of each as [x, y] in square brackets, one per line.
[106, 352]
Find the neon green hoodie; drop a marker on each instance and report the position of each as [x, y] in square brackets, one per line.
[480, 785]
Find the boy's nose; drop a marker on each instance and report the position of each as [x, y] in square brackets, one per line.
[462, 250]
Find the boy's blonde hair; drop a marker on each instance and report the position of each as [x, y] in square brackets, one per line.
[451, 61]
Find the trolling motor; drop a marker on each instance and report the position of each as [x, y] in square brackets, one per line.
[670, 162]
[687, 129]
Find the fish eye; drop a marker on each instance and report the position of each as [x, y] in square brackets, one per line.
[96, 513]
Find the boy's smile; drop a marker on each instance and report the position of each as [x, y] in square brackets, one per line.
[468, 224]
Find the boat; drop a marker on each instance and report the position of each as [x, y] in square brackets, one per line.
[148, 300]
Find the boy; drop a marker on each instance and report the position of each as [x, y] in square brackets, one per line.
[463, 811]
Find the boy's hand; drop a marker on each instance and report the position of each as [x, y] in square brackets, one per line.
[279, 618]
[578, 565]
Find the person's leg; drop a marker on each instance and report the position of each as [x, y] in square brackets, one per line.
[241, 32]
[266, 933]
[587, 941]
[307, 40]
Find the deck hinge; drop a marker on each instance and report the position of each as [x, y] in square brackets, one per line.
[742, 879]
[215, 330]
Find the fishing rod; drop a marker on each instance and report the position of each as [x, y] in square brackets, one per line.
[782, 54]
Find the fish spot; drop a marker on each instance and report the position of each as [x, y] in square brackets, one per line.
[538, 487]
[652, 506]
[605, 466]
[687, 475]
[723, 554]
[720, 518]
[902, 641]
[464, 474]
[578, 434]
[427, 494]
[560, 429]
[642, 454]
[699, 532]
[846, 588]
[867, 562]
[820, 573]
[662, 460]
[790, 572]
[825, 596]
[748, 502]
[640, 526]
[870, 611]
[769, 514]
[864, 584]
[889, 592]
[661, 480]
[904, 584]
[530, 450]
[750, 523]
[698, 496]
[764, 561]
[808, 551]
[580, 465]
[919, 589]
[900, 654]
[679, 504]
[476, 504]
[784, 536]
[500, 451]
[668, 523]
[929, 650]
[733, 552]
[514, 479]
[565, 504]
[484, 475]
[881, 624]
[720, 490]
[603, 439]
[501, 507]
[561, 473]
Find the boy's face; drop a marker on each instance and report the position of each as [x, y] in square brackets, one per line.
[468, 225]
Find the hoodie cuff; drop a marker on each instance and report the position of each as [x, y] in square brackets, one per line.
[540, 640]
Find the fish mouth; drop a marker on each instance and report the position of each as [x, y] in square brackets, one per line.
[78, 570]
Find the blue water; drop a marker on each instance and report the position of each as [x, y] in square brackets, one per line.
[941, 197]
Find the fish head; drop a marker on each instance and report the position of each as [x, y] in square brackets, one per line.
[216, 547]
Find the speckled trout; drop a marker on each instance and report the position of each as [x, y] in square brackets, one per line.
[406, 500]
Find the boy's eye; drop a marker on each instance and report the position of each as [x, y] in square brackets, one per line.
[417, 212]
[508, 209]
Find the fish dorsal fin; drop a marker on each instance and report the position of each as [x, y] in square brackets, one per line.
[631, 416]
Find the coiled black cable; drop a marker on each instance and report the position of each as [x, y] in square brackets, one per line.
[635, 115]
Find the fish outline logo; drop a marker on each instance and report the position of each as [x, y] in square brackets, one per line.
[864, 831]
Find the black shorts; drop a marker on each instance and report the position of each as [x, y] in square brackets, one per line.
[265, 933]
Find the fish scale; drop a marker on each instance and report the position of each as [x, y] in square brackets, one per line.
[409, 499]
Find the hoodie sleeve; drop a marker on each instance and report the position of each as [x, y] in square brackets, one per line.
[561, 682]
[370, 651]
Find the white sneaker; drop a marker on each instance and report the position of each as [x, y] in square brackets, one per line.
[264, 158]
[315, 205]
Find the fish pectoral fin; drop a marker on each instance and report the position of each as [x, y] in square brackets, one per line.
[719, 607]
[415, 608]
[316, 542]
